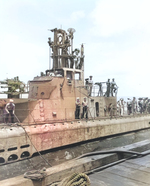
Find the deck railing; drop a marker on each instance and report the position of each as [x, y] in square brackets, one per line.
[95, 90]
[60, 115]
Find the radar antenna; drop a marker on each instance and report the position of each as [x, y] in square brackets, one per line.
[71, 31]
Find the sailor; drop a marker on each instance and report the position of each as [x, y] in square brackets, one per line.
[85, 108]
[140, 103]
[87, 84]
[90, 83]
[108, 88]
[113, 87]
[129, 106]
[105, 110]
[77, 112]
[148, 106]
[110, 109]
[134, 105]
[145, 101]
[10, 110]
[121, 107]
[100, 91]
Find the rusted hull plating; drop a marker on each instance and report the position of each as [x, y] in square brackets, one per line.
[18, 143]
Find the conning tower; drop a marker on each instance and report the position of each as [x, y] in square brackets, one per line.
[52, 95]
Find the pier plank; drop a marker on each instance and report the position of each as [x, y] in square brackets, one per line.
[108, 179]
[134, 172]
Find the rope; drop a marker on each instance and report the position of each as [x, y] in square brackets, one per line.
[61, 86]
[32, 143]
[76, 179]
[36, 174]
[83, 93]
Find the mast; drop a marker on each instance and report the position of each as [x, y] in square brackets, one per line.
[63, 55]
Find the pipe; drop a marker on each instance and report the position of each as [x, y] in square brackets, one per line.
[110, 152]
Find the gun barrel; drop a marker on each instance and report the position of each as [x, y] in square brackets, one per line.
[4, 86]
[99, 82]
[3, 82]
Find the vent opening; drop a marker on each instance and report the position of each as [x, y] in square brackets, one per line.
[2, 150]
[13, 148]
[24, 146]
[12, 157]
[25, 154]
[2, 160]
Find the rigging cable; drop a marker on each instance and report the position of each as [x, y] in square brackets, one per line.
[32, 143]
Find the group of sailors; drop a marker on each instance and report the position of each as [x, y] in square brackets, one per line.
[84, 107]
[111, 87]
[7, 111]
[133, 106]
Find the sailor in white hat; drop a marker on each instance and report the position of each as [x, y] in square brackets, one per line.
[85, 108]
[77, 112]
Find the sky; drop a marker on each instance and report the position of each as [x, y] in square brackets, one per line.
[115, 33]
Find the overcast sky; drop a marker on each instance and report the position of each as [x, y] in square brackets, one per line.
[116, 34]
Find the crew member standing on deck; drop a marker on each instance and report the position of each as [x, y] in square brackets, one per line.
[108, 88]
[113, 87]
[129, 106]
[121, 108]
[134, 105]
[85, 108]
[77, 112]
[10, 110]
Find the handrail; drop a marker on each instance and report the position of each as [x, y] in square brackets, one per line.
[67, 114]
[96, 91]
